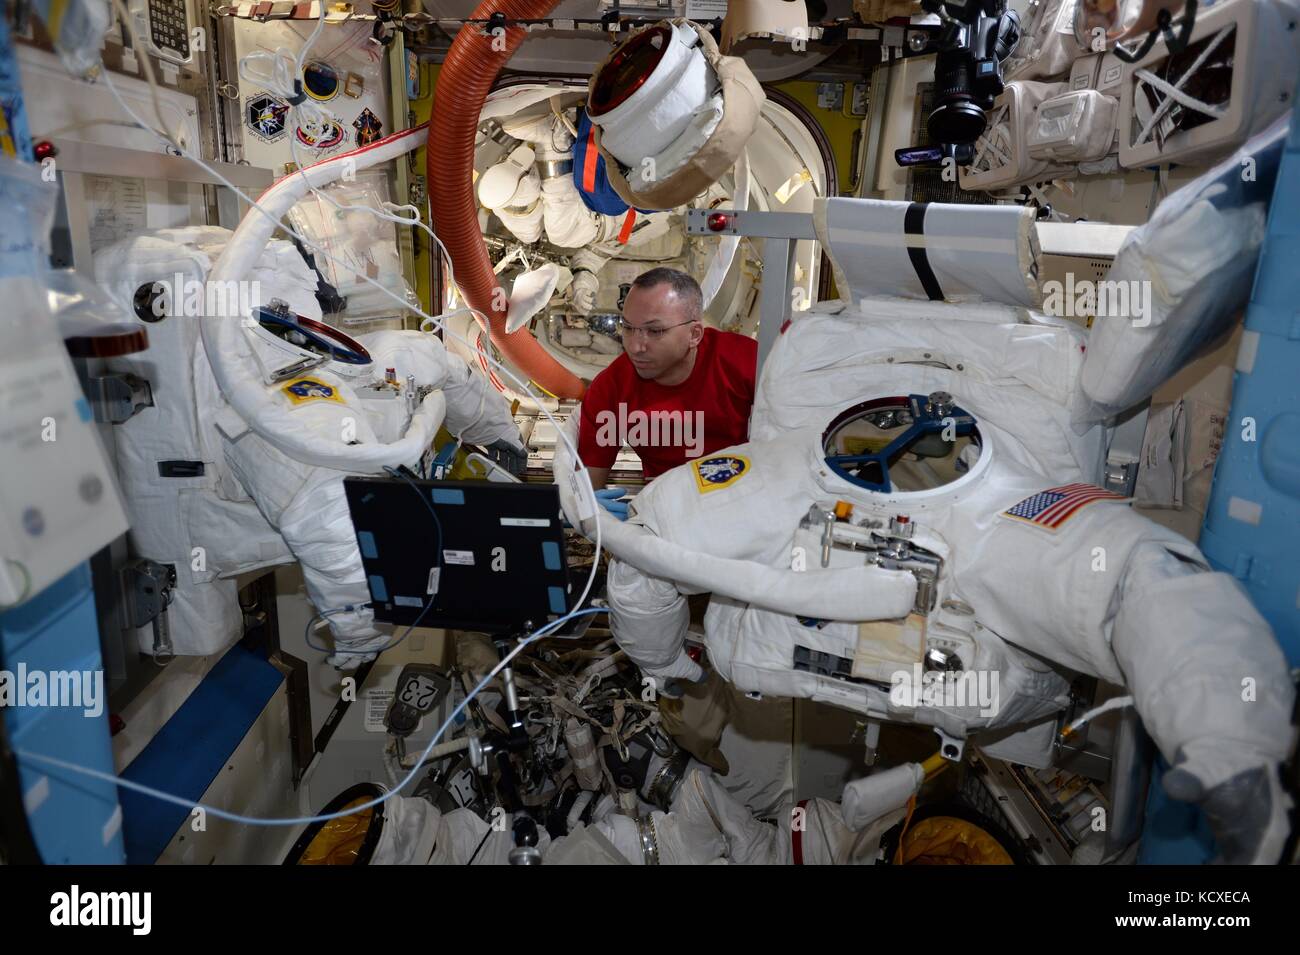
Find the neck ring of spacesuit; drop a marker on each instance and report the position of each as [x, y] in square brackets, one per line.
[904, 449]
[287, 344]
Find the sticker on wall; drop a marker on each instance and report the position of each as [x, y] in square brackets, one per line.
[331, 138]
[369, 127]
[267, 116]
[320, 82]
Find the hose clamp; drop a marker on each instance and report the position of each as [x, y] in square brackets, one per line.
[645, 828]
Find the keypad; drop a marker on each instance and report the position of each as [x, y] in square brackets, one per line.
[168, 26]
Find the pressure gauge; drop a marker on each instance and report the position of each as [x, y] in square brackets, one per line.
[420, 687]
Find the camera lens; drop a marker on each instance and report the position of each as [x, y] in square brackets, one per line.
[955, 118]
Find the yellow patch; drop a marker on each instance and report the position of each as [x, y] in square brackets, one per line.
[719, 471]
[302, 390]
[864, 445]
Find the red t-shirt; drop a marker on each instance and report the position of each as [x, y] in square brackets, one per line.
[670, 425]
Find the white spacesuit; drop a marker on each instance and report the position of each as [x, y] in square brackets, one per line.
[242, 503]
[306, 503]
[990, 552]
[1038, 577]
[532, 188]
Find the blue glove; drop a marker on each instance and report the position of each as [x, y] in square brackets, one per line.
[610, 499]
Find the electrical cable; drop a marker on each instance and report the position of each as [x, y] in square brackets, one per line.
[536, 635]
[308, 820]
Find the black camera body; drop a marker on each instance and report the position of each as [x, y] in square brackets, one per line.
[973, 41]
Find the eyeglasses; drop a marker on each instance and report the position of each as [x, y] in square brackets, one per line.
[650, 333]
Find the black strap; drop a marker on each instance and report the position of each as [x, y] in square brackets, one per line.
[914, 224]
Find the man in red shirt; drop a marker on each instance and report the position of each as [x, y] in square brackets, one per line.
[679, 390]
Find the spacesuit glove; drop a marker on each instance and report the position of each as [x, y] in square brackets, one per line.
[351, 652]
[508, 455]
[612, 500]
[681, 669]
[585, 288]
[1248, 813]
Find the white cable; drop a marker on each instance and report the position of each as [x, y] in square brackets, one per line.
[1171, 92]
[1114, 703]
[308, 820]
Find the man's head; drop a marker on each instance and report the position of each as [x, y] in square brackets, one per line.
[662, 324]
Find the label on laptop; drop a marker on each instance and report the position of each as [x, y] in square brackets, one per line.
[408, 601]
[525, 522]
[464, 557]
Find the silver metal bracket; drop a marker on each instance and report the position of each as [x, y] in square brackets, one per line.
[950, 747]
[118, 396]
[148, 587]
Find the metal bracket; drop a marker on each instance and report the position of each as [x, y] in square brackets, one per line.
[950, 747]
[418, 191]
[1124, 456]
[118, 396]
[779, 232]
[148, 587]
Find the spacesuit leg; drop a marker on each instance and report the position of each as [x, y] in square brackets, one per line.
[306, 504]
[1216, 698]
[649, 618]
[318, 528]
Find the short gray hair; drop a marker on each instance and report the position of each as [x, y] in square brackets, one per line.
[683, 285]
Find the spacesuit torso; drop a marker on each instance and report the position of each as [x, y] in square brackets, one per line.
[748, 503]
[1026, 572]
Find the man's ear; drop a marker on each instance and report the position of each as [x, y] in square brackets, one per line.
[697, 333]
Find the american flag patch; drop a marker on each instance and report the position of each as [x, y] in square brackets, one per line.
[1056, 505]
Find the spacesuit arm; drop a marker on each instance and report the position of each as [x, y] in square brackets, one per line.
[476, 412]
[857, 593]
[1213, 690]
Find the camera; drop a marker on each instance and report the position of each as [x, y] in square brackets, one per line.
[972, 42]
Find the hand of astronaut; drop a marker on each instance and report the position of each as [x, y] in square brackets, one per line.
[1248, 814]
[614, 500]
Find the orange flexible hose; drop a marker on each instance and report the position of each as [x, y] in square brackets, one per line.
[466, 78]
